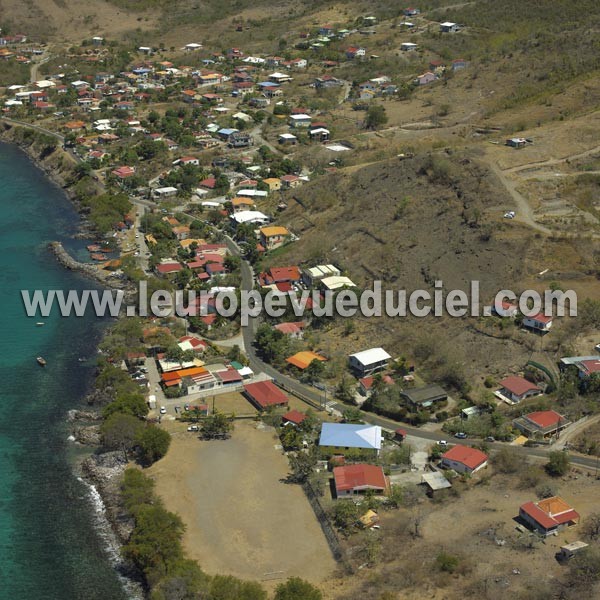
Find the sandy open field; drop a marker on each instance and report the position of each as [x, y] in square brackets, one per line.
[240, 518]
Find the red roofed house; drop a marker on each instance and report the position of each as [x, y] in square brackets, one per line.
[168, 268]
[293, 330]
[542, 423]
[365, 384]
[229, 377]
[189, 342]
[124, 172]
[280, 275]
[294, 417]
[518, 388]
[548, 516]
[356, 479]
[264, 394]
[209, 183]
[463, 459]
[588, 368]
[539, 322]
[189, 160]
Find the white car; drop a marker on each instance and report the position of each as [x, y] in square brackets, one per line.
[163, 410]
[597, 347]
[137, 235]
[442, 443]
[510, 214]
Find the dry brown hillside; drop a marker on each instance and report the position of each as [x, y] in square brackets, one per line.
[433, 217]
[72, 20]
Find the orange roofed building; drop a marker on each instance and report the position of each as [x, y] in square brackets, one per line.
[302, 360]
[356, 479]
[273, 236]
[548, 516]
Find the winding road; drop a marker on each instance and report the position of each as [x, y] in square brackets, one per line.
[318, 397]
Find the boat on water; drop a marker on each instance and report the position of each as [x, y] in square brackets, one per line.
[41, 361]
[39, 324]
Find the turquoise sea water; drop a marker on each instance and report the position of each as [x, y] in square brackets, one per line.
[49, 547]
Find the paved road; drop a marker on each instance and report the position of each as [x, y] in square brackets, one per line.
[58, 136]
[319, 397]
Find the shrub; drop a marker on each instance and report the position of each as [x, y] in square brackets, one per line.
[558, 463]
[446, 562]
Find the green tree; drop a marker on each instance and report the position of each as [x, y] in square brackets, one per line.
[344, 391]
[120, 431]
[345, 515]
[376, 116]
[154, 443]
[155, 542]
[297, 589]
[352, 414]
[226, 587]
[302, 466]
[558, 463]
[216, 426]
[131, 403]
[447, 562]
[137, 490]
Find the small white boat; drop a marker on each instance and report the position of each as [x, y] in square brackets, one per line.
[39, 324]
[41, 361]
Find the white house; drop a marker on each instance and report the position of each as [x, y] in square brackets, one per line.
[279, 77]
[300, 121]
[463, 459]
[250, 216]
[539, 322]
[369, 361]
[448, 27]
[408, 46]
[313, 275]
[164, 192]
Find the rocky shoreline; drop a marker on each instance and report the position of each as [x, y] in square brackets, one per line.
[91, 271]
[102, 474]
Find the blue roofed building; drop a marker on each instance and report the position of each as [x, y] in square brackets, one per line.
[343, 436]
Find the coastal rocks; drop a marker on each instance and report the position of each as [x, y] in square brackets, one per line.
[88, 435]
[83, 415]
[92, 271]
[100, 398]
[105, 472]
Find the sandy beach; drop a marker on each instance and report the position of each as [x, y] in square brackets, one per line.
[240, 518]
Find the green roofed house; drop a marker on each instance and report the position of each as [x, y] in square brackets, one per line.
[424, 397]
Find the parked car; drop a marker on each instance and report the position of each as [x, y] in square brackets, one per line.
[510, 214]
[461, 435]
[597, 347]
[442, 443]
[163, 410]
[193, 428]
[490, 438]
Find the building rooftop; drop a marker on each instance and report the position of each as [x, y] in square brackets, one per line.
[518, 385]
[351, 477]
[346, 435]
[470, 457]
[371, 356]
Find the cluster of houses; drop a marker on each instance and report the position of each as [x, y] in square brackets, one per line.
[13, 47]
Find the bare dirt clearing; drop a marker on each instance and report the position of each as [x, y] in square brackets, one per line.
[240, 518]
